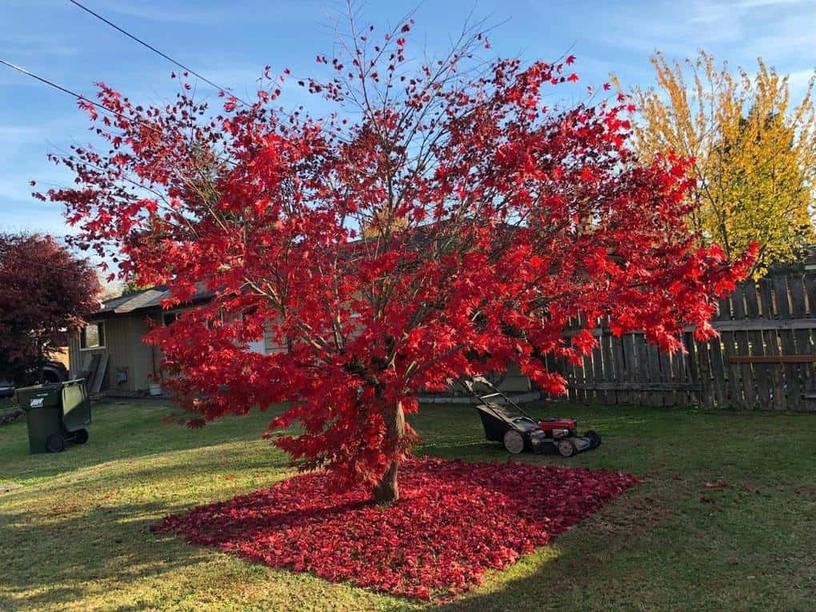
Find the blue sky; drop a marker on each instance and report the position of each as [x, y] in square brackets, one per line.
[230, 42]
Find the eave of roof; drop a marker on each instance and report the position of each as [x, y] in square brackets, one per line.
[144, 299]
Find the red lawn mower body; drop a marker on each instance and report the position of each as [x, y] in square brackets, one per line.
[504, 421]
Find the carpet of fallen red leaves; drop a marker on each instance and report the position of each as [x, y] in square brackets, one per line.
[454, 521]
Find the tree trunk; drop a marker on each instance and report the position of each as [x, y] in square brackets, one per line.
[387, 490]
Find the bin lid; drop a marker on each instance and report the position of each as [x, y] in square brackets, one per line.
[76, 408]
[39, 396]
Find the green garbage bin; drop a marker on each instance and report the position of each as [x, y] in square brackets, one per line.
[56, 414]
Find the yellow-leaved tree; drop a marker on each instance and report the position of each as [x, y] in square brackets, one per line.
[754, 152]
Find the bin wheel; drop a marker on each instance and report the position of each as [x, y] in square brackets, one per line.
[565, 447]
[81, 436]
[513, 441]
[55, 443]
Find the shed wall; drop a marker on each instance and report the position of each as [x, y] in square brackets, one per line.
[126, 352]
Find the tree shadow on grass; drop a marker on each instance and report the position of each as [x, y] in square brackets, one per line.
[120, 430]
[77, 538]
[63, 560]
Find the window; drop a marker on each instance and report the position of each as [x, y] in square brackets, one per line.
[258, 345]
[92, 336]
[169, 318]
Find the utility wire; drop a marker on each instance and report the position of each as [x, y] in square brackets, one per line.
[156, 51]
[50, 83]
[80, 97]
[74, 94]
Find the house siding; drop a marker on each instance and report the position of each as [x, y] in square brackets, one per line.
[141, 356]
[270, 346]
[125, 351]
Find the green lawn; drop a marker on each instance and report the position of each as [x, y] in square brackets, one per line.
[74, 526]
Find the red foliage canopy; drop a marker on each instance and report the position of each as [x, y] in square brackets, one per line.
[453, 522]
[44, 292]
[440, 222]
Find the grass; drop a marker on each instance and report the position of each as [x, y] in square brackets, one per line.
[6, 403]
[74, 526]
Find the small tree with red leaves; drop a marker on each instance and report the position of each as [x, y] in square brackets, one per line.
[440, 222]
[44, 293]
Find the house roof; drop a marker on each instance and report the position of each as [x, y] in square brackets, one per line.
[144, 299]
[152, 297]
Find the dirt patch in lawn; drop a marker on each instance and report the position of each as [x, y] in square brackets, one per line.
[453, 522]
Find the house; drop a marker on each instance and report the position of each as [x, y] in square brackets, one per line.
[110, 354]
[109, 351]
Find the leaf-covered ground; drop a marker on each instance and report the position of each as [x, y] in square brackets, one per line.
[453, 522]
[724, 517]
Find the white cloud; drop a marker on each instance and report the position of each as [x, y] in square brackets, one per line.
[20, 133]
[735, 30]
[749, 4]
[191, 13]
[32, 45]
[194, 11]
[32, 217]
[798, 82]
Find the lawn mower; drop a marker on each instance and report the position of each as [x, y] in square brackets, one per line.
[504, 421]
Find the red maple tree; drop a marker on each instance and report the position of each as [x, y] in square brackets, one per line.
[44, 293]
[441, 221]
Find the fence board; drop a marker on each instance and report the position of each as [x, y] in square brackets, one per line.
[640, 371]
[764, 358]
[690, 367]
[718, 372]
[734, 371]
[790, 372]
[746, 371]
[620, 368]
[706, 375]
[609, 374]
[598, 372]
[810, 294]
[802, 338]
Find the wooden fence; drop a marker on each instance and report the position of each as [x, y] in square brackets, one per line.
[765, 358]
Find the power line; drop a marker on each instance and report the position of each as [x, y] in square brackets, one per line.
[80, 97]
[50, 83]
[156, 51]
